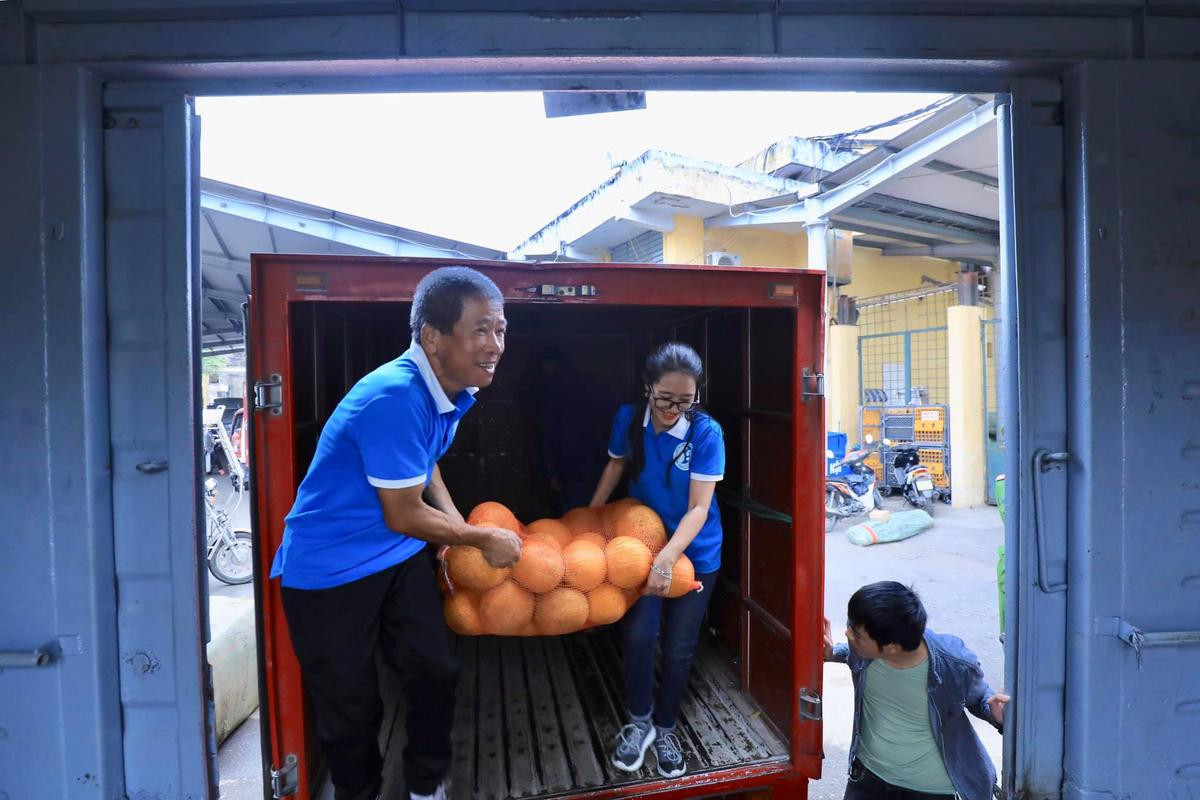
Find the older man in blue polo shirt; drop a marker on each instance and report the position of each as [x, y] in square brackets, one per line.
[354, 566]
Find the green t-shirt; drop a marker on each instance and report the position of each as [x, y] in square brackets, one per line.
[896, 740]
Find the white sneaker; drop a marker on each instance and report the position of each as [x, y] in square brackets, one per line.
[442, 792]
[632, 744]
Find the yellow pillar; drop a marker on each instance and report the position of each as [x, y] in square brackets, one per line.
[685, 244]
[841, 381]
[968, 466]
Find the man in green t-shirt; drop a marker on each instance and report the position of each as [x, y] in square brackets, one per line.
[912, 688]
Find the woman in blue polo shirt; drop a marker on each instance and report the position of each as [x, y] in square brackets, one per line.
[674, 456]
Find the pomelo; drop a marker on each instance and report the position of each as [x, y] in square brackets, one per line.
[643, 524]
[470, 570]
[628, 562]
[559, 532]
[560, 611]
[506, 609]
[683, 578]
[494, 515]
[462, 613]
[606, 604]
[580, 520]
[540, 567]
[610, 513]
[584, 565]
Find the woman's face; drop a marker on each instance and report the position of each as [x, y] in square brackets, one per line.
[671, 388]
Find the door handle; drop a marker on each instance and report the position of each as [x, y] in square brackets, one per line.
[24, 658]
[1042, 461]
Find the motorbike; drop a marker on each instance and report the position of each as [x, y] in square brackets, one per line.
[913, 478]
[229, 552]
[850, 494]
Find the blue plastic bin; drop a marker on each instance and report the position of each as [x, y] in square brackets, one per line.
[836, 443]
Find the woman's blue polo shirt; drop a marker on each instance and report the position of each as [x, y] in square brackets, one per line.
[388, 432]
[700, 447]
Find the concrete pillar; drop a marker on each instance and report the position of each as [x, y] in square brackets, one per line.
[685, 244]
[968, 466]
[841, 381]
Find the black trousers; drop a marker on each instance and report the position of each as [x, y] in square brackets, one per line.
[335, 633]
[866, 785]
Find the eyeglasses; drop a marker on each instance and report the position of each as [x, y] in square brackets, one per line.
[667, 404]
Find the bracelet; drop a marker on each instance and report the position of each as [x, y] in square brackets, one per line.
[661, 572]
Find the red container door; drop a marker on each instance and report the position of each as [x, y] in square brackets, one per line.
[771, 609]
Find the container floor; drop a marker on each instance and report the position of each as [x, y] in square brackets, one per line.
[537, 718]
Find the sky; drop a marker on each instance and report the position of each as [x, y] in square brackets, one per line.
[489, 168]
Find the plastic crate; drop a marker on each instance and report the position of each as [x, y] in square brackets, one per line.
[876, 466]
[929, 424]
[835, 443]
[937, 460]
[898, 428]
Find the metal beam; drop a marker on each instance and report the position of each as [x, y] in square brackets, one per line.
[932, 213]
[882, 221]
[871, 230]
[827, 204]
[952, 251]
[955, 171]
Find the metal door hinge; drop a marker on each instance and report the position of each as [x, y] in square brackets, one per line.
[268, 394]
[812, 384]
[810, 704]
[554, 291]
[285, 781]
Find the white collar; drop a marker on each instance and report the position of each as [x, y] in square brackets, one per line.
[679, 430]
[444, 404]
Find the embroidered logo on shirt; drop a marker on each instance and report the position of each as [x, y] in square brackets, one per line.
[683, 456]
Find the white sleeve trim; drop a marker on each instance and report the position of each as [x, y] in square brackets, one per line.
[405, 483]
[696, 476]
[611, 454]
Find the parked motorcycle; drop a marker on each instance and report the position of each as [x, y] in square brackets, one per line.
[229, 553]
[913, 478]
[230, 557]
[853, 493]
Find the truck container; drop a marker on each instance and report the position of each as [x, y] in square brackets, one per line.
[537, 716]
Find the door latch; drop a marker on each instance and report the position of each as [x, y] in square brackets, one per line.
[812, 384]
[268, 394]
[810, 704]
[285, 781]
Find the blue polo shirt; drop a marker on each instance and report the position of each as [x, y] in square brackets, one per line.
[700, 445]
[388, 432]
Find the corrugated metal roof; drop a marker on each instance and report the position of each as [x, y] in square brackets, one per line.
[237, 222]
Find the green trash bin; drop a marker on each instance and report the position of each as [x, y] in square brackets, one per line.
[1000, 550]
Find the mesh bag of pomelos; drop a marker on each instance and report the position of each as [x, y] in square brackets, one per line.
[583, 570]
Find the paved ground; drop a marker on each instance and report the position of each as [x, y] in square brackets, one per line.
[952, 566]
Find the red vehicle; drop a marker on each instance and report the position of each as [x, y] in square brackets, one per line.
[536, 716]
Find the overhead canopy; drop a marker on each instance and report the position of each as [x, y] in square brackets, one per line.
[932, 190]
[236, 222]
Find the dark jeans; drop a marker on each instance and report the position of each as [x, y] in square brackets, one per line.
[335, 633]
[681, 618]
[866, 785]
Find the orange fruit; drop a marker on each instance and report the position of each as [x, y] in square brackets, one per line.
[579, 520]
[540, 567]
[559, 532]
[584, 565]
[683, 577]
[506, 609]
[606, 604]
[462, 613]
[470, 570]
[494, 515]
[628, 562]
[610, 513]
[595, 538]
[644, 525]
[560, 611]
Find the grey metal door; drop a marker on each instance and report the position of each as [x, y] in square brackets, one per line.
[1033, 268]
[1133, 569]
[59, 691]
[153, 280]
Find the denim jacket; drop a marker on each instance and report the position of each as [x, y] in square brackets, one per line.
[956, 685]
